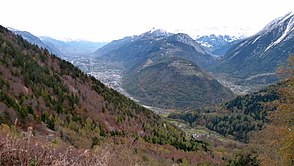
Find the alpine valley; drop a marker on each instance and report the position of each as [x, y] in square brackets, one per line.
[165, 70]
[157, 98]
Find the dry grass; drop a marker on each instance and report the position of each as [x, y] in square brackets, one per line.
[26, 149]
[30, 151]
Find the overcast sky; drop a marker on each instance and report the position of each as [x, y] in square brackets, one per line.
[106, 20]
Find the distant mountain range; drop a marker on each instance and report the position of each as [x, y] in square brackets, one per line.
[220, 30]
[74, 47]
[247, 62]
[63, 49]
[127, 49]
[165, 70]
[256, 58]
[218, 45]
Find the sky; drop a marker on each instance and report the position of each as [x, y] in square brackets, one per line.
[107, 20]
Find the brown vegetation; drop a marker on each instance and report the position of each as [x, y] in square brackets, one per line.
[276, 146]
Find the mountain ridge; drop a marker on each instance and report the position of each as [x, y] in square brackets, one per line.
[36, 40]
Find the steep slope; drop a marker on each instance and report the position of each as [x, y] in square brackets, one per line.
[257, 57]
[218, 45]
[161, 69]
[35, 40]
[55, 98]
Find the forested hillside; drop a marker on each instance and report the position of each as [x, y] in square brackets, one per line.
[277, 144]
[236, 117]
[54, 99]
[263, 119]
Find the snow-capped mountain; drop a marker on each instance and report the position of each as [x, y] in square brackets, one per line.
[218, 45]
[186, 39]
[238, 32]
[261, 54]
[174, 44]
[284, 27]
[155, 33]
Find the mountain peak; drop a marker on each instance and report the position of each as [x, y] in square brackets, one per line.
[283, 27]
[159, 31]
[283, 18]
[156, 33]
[279, 22]
[186, 39]
[182, 37]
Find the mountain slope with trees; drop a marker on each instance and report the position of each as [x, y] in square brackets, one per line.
[51, 95]
[277, 143]
[237, 117]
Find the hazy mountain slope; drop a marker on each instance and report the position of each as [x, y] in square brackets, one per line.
[73, 47]
[258, 56]
[35, 40]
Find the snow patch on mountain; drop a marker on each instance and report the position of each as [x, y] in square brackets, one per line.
[238, 32]
[256, 39]
[277, 22]
[184, 38]
[217, 45]
[289, 29]
[156, 33]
